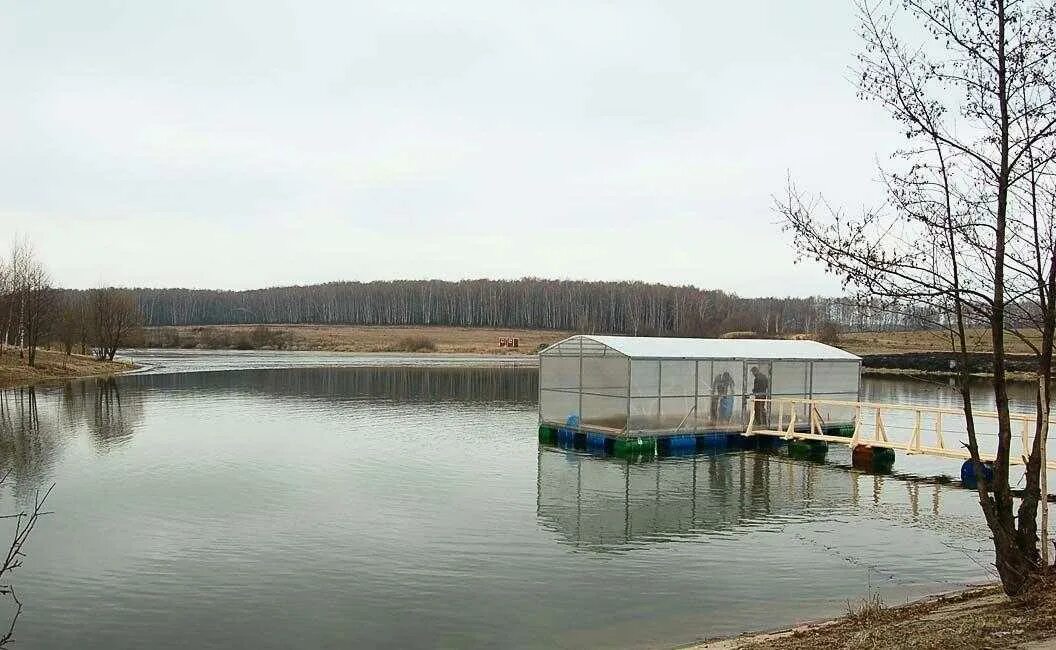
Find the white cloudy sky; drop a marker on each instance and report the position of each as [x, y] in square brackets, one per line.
[251, 143]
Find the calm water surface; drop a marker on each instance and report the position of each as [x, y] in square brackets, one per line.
[412, 506]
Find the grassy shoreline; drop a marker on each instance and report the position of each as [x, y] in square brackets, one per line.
[906, 353]
[349, 338]
[52, 366]
[976, 617]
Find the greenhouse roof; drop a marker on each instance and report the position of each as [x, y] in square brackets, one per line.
[647, 347]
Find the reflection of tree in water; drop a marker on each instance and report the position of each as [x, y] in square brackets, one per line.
[398, 384]
[28, 443]
[113, 416]
[34, 424]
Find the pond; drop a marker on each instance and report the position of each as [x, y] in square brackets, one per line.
[382, 503]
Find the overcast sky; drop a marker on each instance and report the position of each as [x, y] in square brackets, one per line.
[235, 144]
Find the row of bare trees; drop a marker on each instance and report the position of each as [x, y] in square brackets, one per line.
[27, 301]
[968, 228]
[634, 308]
[35, 314]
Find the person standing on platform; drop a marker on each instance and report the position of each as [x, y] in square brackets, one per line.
[760, 391]
[724, 389]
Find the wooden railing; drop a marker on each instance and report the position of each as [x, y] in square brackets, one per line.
[928, 428]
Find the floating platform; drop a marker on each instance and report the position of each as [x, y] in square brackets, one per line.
[672, 443]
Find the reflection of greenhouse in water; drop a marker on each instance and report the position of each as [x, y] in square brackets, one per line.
[601, 502]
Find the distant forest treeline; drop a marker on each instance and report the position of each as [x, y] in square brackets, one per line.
[633, 308]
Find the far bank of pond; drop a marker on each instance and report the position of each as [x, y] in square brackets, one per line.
[303, 500]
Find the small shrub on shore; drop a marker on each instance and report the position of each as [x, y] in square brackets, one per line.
[263, 337]
[214, 339]
[415, 344]
[869, 608]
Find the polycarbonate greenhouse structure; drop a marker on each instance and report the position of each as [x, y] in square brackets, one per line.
[619, 385]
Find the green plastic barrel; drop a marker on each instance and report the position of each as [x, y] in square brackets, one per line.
[634, 446]
[546, 435]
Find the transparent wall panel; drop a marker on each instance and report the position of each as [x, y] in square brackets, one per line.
[604, 412]
[789, 378]
[675, 410]
[606, 375]
[726, 401]
[645, 414]
[559, 372]
[645, 378]
[678, 378]
[835, 377]
[557, 406]
[704, 376]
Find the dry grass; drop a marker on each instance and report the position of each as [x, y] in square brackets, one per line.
[867, 609]
[927, 341]
[355, 338]
[50, 366]
[414, 344]
[978, 618]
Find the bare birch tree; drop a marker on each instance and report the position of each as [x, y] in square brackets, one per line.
[964, 231]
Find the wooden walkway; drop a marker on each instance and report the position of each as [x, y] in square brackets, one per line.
[914, 429]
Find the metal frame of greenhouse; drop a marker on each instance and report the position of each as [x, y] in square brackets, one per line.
[651, 386]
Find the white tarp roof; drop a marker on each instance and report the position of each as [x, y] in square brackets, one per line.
[646, 347]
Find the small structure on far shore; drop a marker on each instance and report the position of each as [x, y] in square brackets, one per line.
[620, 387]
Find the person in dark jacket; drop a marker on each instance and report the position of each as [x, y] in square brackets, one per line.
[760, 391]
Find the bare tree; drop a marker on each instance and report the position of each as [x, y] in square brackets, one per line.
[31, 300]
[39, 302]
[977, 105]
[70, 326]
[115, 315]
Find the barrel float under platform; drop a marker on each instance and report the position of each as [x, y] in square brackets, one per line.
[717, 439]
[597, 442]
[634, 446]
[677, 445]
[877, 459]
[842, 430]
[807, 449]
[756, 442]
[547, 435]
[969, 477]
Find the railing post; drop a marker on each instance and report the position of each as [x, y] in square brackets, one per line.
[1026, 443]
[857, 426]
[791, 419]
[914, 441]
